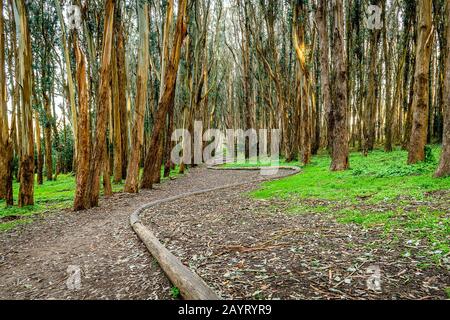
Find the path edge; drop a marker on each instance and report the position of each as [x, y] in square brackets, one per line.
[190, 284]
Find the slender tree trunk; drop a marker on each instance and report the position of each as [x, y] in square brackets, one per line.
[104, 99]
[371, 105]
[306, 119]
[81, 201]
[48, 138]
[116, 123]
[151, 164]
[340, 148]
[122, 98]
[6, 147]
[107, 188]
[443, 169]
[40, 157]
[45, 88]
[26, 190]
[388, 98]
[168, 147]
[137, 136]
[420, 104]
[70, 84]
[321, 17]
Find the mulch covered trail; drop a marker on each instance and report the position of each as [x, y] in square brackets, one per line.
[243, 248]
[252, 249]
[35, 257]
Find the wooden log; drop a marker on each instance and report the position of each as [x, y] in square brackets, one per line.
[191, 285]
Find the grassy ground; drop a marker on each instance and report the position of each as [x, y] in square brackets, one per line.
[379, 192]
[50, 196]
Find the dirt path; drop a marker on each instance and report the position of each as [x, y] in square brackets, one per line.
[34, 258]
[242, 247]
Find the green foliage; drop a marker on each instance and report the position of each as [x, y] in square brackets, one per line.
[379, 191]
[379, 177]
[429, 155]
[50, 196]
[175, 293]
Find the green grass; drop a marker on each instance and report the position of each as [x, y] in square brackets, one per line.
[379, 177]
[255, 162]
[175, 293]
[379, 191]
[50, 196]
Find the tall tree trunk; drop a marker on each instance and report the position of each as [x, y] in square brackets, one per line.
[26, 190]
[388, 98]
[104, 99]
[70, 84]
[168, 147]
[340, 148]
[45, 88]
[122, 79]
[81, 201]
[6, 147]
[116, 123]
[299, 45]
[371, 105]
[151, 164]
[420, 104]
[443, 169]
[48, 137]
[137, 136]
[40, 157]
[322, 27]
[120, 102]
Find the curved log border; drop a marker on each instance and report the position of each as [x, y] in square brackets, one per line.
[191, 286]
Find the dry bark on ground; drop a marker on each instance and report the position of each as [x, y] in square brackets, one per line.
[246, 248]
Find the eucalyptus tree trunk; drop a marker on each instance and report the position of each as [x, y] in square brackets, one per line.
[70, 84]
[119, 82]
[116, 124]
[45, 81]
[340, 148]
[169, 144]
[444, 164]
[6, 147]
[151, 163]
[40, 157]
[300, 49]
[420, 103]
[390, 109]
[104, 100]
[371, 105]
[165, 44]
[321, 17]
[137, 133]
[15, 93]
[26, 190]
[81, 201]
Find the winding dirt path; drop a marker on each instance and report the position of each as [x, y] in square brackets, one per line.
[242, 247]
[34, 258]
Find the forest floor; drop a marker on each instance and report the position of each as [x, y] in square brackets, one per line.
[319, 234]
[35, 257]
[315, 235]
[247, 248]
